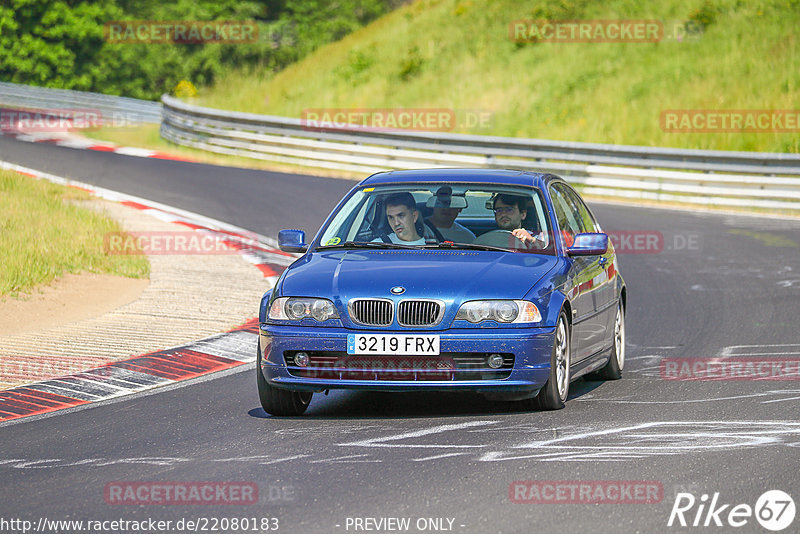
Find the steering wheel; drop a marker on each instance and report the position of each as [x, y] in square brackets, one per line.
[500, 238]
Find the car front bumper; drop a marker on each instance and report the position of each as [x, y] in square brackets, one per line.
[531, 349]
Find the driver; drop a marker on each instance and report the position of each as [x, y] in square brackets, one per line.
[402, 215]
[509, 212]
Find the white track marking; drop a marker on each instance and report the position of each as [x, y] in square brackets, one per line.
[731, 350]
[653, 439]
[346, 459]
[589, 398]
[438, 456]
[381, 442]
[240, 346]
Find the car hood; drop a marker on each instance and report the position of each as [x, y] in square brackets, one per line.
[449, 275]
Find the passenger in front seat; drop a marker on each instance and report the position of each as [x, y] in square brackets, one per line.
[402, 215]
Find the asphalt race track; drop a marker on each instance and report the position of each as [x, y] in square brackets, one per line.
[718, 286]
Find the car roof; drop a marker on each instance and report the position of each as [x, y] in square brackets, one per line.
[490, 176]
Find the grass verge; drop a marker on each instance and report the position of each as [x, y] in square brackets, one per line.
[45, 233]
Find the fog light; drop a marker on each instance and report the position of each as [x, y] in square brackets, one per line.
[301, 359]
[495, 361]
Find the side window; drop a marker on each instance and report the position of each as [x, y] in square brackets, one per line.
[588, 224]
[568, 221]
[536, 214]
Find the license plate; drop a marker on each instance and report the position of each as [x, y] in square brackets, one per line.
[400, 345]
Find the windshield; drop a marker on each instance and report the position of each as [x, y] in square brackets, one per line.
[442, 215]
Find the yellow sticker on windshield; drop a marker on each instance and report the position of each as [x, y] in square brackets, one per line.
[333, 241]
[368, 189]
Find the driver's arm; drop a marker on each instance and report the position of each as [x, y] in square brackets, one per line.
[527, 238]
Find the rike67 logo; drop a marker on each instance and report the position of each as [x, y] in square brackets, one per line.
[774, 510]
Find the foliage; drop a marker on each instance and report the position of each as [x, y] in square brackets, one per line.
[411, 65]
[62, 44]
[185, 89]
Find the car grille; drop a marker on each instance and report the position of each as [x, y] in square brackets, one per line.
[453, 366]
[419, 312]
[380, 312]
[371, 312]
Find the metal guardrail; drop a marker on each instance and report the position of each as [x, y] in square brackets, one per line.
[115, 109]
[751, 179]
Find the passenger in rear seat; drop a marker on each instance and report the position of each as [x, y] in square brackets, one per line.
[446, 207]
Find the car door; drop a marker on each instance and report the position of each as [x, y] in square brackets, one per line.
[579, 284]
[603, 294]
[606, 295]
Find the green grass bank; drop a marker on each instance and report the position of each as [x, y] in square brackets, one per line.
[45, 232]
[460, 55]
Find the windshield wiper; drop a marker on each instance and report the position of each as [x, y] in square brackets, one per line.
[444, 244]
[467, 246]
[367, 244]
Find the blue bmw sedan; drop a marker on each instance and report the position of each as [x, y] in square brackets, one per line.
[498, 282]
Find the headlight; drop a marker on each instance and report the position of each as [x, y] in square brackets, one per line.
[502, 311]
[297, 308]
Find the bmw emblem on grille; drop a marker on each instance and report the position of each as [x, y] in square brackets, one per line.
[398, 290]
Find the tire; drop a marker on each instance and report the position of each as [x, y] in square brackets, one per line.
[280, 402]
[613, 369]
[555, 392]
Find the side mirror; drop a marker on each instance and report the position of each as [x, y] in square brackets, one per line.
[589, 244]
[292, 241]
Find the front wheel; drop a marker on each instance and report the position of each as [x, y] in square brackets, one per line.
[554, 393]
[277, 401]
